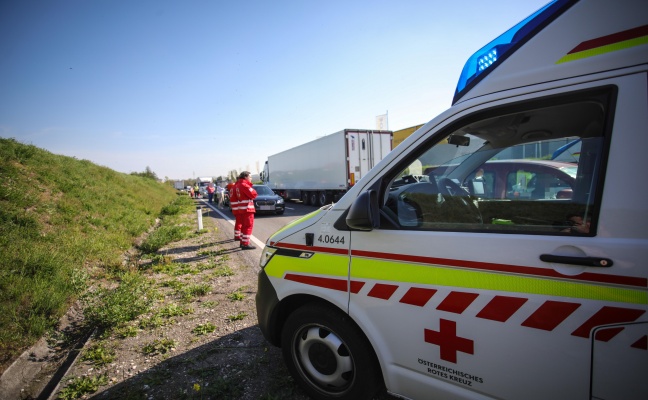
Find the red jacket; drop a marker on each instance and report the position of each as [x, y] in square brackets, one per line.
[245, 195]
[233, 200]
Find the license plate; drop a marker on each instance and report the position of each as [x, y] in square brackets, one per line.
[266, 208]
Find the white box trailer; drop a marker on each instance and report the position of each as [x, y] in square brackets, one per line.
[322, 170]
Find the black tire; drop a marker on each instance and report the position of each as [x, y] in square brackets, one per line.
[313, 198]
[305, 198]
[323, 198]
[328, 355]
[280, 212]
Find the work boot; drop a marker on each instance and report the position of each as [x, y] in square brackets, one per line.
[247, 247]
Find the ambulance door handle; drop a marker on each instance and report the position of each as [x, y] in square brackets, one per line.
[586, 261]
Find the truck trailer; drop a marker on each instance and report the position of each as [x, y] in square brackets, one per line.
[322, 170]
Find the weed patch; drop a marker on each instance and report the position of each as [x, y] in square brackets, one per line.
[237, 317]
[204, 329]
[99, 355]
[159, 346]
[82, 386]
[162, 236]
[108, 308]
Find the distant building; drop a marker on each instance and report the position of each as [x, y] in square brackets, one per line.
[399, 136]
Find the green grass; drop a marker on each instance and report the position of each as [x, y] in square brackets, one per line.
[159, 346]
[237, 317]
[81, 386]
[236, 296]
[189, 293]
[108, 308]
[165, 234]
[203, 329]
[64, 223]
[174, 310]
[99, 355]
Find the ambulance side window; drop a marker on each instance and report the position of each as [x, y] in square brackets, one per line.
[528, 170]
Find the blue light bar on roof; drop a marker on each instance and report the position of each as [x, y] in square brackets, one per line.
[486, 59]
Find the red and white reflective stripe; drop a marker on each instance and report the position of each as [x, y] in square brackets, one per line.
[242, 205]
[249, 206]
[547, 316]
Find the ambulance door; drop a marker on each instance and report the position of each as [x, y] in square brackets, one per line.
[500, 294]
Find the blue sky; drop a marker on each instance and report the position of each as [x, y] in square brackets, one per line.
[197, 88]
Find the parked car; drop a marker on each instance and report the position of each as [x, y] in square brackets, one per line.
[523, 179]
[511, 179]
[266, 201]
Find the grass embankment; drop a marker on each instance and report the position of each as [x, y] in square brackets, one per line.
[64, 223]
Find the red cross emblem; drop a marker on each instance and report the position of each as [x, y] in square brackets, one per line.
[448, 341]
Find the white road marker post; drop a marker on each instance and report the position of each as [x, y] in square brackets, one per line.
[199, 212]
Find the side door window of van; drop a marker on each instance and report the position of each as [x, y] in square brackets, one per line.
[533, 169]
[549, 184]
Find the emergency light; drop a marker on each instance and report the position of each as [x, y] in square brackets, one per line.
[486, 59]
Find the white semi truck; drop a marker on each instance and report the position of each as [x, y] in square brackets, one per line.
[322, 170]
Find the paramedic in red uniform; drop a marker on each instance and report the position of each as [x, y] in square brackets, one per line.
[233, 204]
[245, 195]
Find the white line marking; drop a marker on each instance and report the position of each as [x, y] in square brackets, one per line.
[253, 238]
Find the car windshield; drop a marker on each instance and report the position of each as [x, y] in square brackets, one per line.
[263, 190]
[571, 171]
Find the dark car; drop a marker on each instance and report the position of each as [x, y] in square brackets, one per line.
[266, 201]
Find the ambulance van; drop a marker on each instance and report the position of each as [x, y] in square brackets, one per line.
[501, 250]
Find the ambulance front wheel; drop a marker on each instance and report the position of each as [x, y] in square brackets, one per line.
[328, 355]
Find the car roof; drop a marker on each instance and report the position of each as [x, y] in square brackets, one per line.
[522, 161]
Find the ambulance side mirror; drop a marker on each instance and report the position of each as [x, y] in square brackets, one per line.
[363, 214]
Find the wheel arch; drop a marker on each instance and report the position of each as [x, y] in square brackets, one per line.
[286, 307]
[291, 303]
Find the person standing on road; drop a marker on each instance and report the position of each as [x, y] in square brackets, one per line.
[233, 204]
[210, 192]
[245, 195]
[220, 191]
